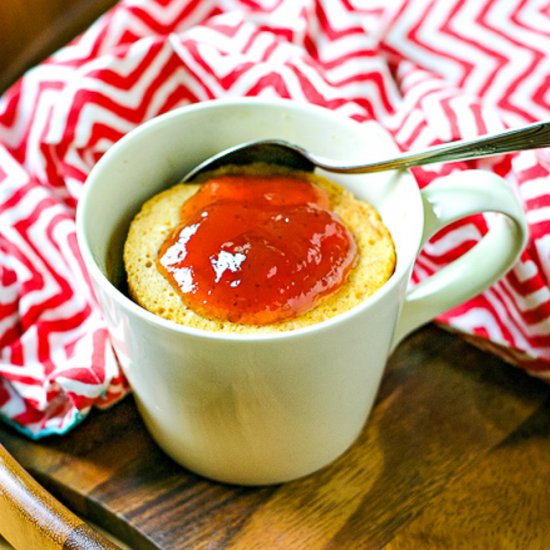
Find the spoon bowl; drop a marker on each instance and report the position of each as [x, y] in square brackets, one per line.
[280, 152]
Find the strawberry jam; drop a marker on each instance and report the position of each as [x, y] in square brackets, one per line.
[257, 249]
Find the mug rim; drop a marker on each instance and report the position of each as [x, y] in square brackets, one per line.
[97, 274]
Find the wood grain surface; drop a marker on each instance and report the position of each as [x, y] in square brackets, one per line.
[30, 30]
[454, 455]
[31, 518]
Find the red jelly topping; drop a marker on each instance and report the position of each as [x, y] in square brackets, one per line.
[257, 249]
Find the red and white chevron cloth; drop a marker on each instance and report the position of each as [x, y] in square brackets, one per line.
[429, 70]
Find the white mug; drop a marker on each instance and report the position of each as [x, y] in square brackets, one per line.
[268, 408]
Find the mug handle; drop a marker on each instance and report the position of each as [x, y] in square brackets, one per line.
[447, 200]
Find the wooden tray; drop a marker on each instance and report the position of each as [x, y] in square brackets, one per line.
[455, 454]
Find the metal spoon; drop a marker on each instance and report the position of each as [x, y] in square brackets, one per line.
[275, 151]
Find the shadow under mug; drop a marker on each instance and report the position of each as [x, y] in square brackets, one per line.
[262, 409]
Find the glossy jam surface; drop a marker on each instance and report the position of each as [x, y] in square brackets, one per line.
[257, 249]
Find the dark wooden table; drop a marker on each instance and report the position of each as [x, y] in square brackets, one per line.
[32, 30]
[456, 454]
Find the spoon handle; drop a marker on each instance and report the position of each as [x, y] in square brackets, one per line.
[533, 136]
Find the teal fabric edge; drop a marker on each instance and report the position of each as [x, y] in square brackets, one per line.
[78, 417]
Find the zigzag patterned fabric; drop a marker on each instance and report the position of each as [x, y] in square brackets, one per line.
[428, 70]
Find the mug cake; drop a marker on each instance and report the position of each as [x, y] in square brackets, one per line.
[257, 248]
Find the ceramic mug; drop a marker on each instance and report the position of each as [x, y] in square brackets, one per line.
[268, 408]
